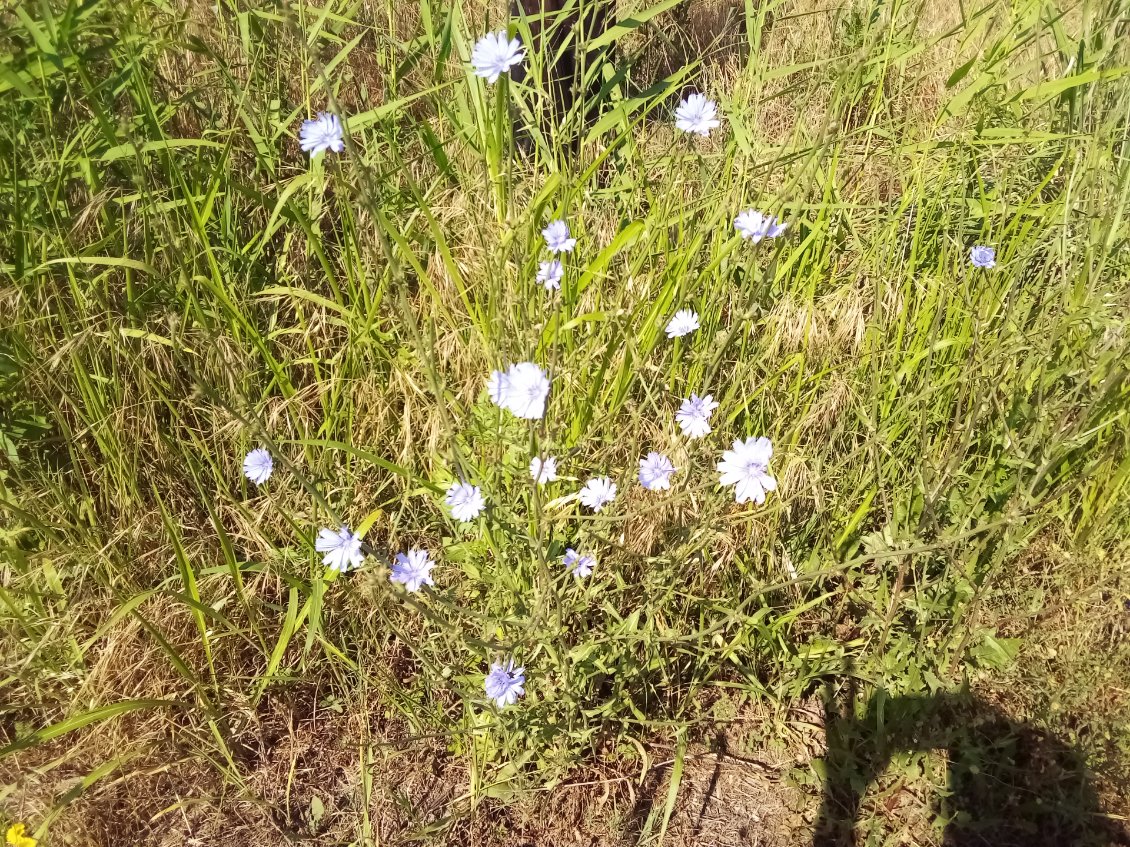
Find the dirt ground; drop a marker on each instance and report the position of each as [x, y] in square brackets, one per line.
[300, 768]
[299, 764]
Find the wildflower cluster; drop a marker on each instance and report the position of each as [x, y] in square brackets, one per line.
[523, 389]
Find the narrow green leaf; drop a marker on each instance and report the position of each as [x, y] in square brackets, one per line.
[625, 25]
[123, 151]
[97, 715]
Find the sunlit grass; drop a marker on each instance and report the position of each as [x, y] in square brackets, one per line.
[183, 284]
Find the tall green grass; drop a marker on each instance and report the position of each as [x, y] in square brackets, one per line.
[182, 284]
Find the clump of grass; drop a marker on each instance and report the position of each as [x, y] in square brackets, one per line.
[184, 285]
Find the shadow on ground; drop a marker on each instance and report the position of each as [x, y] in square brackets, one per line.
[1010, 784]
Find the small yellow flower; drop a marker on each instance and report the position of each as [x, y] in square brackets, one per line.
[16, 838]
